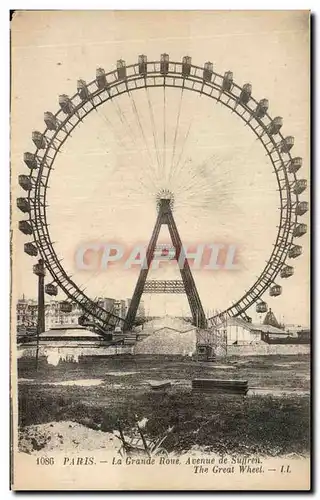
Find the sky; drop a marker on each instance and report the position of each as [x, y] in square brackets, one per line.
[107, 177]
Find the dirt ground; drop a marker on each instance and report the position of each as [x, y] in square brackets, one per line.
[60, 436]
[272, 419]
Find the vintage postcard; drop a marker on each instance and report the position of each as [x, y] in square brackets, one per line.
[160, 323]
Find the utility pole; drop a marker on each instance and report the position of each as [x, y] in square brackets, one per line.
[40, 271]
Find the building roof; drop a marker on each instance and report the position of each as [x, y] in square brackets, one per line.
[268, 329]
[270, 319]
[256, 326]
[170, 322]
[64, 332]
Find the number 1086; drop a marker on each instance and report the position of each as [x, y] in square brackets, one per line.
[45, 461]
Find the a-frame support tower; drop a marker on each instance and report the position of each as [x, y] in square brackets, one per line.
[165, 217]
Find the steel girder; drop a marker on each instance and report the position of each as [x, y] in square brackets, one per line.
[189, 288]
[164, 286]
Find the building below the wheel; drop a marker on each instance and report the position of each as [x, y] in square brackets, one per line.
[72, 344]
[241, 332]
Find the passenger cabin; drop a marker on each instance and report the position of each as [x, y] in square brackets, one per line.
[227, 81]
[295, 251]
[302, 207]
[31, 249]
[164, 64]
[51, 289]
[186, 65]
[50, 120]
[262, 108]
[142, 63]
[207, 71]
[275, 125]
[82, 90]
[101, 78]
[261, 307]
[39, 269]
[25, 227]
[299, 186]
[30, 160]
[65, 104]
[275, 290]
[300, 230]
[23, 205]
[121, 69]
[39, 140]
[286, 144]
[245, 94]
[286, 272]
[294, 165]
[65, 307]
[25, 182]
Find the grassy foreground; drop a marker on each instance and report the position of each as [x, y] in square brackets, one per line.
[225, 424]
[261, 424]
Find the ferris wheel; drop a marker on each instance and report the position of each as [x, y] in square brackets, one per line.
[185, 78]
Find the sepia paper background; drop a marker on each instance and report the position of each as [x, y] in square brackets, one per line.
[51, 50]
